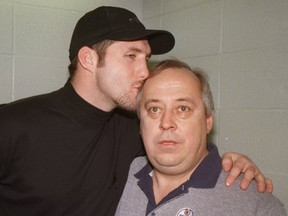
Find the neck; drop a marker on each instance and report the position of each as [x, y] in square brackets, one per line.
[164, 184]
[86, 89]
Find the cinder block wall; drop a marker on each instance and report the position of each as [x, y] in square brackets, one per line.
[243, 46]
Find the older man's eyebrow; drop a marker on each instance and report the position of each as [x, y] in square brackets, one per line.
[184, 99]
[151, 101]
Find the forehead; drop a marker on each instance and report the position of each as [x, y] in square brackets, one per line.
[172, 81]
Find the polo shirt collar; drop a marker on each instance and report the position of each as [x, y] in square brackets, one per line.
[204, 176]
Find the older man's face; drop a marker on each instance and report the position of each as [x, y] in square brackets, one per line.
[174, 126]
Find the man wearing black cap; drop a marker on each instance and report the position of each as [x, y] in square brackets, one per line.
[68, 152]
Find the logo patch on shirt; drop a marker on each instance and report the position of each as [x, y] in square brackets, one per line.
[185, 212]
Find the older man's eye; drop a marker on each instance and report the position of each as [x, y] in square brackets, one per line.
[183, 109]
[153, 110]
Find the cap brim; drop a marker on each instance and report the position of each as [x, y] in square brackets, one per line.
[160, 41]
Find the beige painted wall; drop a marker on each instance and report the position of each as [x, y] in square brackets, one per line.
[242, 44]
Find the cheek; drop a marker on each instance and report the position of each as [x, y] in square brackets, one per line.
[191, 131]
[194, 134]
[118, 74]
[118, 78]
[190, 126]
[145, 127]
[148, 129]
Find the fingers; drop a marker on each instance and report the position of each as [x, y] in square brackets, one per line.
[227, 162]
[266, 184]
[235, 164]
[249, 174]
[261, 184]
[250, 171]
[269, 185]
[238, 168]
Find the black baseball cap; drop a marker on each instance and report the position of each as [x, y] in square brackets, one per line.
[118, 24]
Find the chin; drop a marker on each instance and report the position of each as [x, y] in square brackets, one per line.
[167, 161]
[129, 105]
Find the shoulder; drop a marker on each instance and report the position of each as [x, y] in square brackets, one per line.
[250, 199]
[27, 104]
[20, 113]
[235, 188]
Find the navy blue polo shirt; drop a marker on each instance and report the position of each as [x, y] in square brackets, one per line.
[205, 176]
